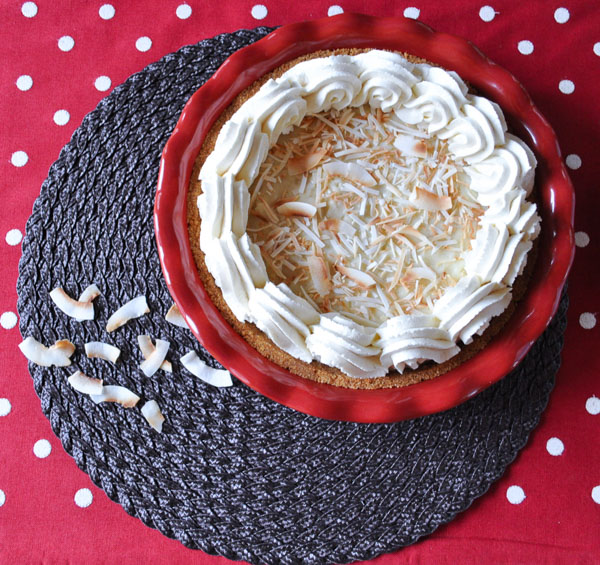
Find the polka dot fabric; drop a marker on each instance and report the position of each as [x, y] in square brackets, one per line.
[60, 59]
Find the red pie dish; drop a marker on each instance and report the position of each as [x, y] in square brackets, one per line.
[555, 199]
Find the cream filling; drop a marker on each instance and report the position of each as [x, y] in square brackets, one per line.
[412, 243]
[384, 211]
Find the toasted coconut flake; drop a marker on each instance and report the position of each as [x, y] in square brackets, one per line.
[299, 165]
[409, 230]
[148, 348]
[175, 317]
[64, 346]
[133, 309]
[153, 415]
[74, 308]
[306, 231]
[214, 377]
[118, 394]
[409, 145]
[350, 171]
[361, 278]
[84, 384]
[58, 354]
[89, 294]
[265, 209]
[153, 363]
[319, 273]
[297, 209]
[102, 350]
[426, 200]
[415, 273]
[146, 345]
[330, 224]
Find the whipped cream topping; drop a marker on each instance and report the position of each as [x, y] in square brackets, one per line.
[411, 339]
[467, 308]
[340, 342]
[497, 256]
[238, 270]
[490, 174]
[284, 317]
[505, 169]
[512, 210]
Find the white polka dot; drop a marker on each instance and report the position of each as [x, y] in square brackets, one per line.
[596, 48]
[566, 86]
[259, 11]
[487, 13]
[106, 11]
[582, 239]
[596, 494]
[14, 237]
[24, 82]
[573, 161]
[29, 9]
[8, 320]
[19, 158]
[66, 43]
[42, 448]
[2, 498]
[587, 320]
[83, 497]
[561, 15]
[5, 407]
[102, 83]
[525, 47]
[61, 117]
[412, 13]
[143, 44]
[554, 446]
[183, 11]
[592, 405]
[515, 494]
[335, 10]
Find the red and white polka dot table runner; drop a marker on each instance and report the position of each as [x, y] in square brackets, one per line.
[58, 59]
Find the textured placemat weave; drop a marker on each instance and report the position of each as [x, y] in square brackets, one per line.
[233, 473]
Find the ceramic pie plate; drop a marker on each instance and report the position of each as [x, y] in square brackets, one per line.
[554, 193]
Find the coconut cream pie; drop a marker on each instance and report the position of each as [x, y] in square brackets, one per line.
[363, 219]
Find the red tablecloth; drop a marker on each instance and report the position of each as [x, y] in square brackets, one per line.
[58, 59]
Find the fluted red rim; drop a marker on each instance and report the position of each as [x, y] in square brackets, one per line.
[556, 207]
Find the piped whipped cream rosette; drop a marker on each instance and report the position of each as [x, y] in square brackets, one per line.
[284, 317]
[409, 340]
[367, 212]
[339, 342]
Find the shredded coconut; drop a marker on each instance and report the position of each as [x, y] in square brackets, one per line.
[392, 218]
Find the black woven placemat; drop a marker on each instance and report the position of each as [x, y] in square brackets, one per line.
[233, 473]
